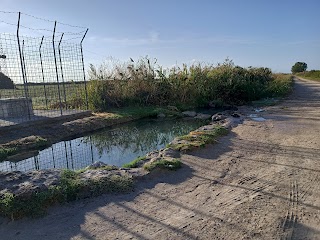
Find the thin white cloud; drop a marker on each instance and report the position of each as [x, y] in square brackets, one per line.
[151, 38]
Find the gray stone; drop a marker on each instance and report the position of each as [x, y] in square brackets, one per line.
[152, 154]
[203, 116]
[218, 117]
[189, 113]
[96, 165]
[235, 115]
[161, 115]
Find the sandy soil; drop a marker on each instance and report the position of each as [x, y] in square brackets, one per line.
[262, 181]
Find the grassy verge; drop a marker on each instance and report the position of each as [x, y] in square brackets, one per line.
[312, 75]
[70, 187]
[198, 139]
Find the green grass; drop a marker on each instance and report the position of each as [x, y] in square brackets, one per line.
[172, 164]
[75, 95]
[198, 139]
[312, 75]
[6, 152]
[135, 163]
[70, 188]
[40, 143]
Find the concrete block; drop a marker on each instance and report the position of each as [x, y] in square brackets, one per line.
[15, 107]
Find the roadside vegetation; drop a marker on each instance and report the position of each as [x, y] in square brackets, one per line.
[312, 75]
[71, 187]
[144, 83]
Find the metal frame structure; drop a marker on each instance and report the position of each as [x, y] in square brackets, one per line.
[47, 72]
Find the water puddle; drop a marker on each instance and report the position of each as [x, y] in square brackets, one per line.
[114, 146]
[257, 118]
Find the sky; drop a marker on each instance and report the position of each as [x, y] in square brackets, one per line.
[270, 33]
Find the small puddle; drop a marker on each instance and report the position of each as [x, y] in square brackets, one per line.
[257, 118]
[114, 146]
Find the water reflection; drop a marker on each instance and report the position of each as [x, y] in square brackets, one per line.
[114, 146]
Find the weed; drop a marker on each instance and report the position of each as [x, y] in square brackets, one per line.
[172, 164]
[40, 142]
[135, 163]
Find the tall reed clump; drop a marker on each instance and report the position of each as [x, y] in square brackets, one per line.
[145, 83]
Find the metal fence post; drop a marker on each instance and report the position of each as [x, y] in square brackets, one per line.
[63, 85]
[22, 66]
[55, 63]
[44, 85]
[84, 73]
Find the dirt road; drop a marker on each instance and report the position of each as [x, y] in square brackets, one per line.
[262, 181]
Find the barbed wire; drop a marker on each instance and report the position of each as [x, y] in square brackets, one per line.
[44, 29]
[68, 39]
[46, 20]
[7, 12]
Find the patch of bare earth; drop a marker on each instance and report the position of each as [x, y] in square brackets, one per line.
[262, 181]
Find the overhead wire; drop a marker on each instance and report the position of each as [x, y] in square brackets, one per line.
[45, 29]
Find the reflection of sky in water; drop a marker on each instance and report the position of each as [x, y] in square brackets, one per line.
[114, 146]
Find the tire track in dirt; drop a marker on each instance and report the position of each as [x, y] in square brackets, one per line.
[292, 214]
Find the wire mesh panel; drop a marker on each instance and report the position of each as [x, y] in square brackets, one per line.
[40, 77]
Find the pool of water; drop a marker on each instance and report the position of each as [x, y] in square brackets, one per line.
[114, 146]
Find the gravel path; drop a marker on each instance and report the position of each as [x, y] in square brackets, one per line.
[262, 181]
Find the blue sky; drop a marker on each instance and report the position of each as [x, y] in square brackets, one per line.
[273, 33]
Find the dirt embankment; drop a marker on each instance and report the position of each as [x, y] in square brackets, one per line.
[262, 181]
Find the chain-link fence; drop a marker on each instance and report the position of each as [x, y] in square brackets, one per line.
[40, 76]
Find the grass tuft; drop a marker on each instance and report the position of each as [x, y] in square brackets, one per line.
[198, 139]
[172, 164]
[6, 152]
[135, 163]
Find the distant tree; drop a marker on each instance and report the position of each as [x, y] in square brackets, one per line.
[299, 67]
[5, 82]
